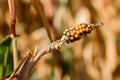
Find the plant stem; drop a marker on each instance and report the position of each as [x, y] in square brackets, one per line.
[11, 4]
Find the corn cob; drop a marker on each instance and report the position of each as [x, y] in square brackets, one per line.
[77, 32]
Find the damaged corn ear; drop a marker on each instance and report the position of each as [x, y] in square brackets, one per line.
[76, 32]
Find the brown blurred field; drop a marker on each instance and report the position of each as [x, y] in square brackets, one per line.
[96, 57]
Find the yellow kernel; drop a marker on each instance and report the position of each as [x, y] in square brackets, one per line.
[87, 29]
[88, 26]
[83, 25]
[80, 26]
[71, 38]
[73, 28]
[83, 29]
[78, 31]
[77, 27]
[66, 30]
[76, 36]
[68, 34]
[74, 31]
[71, 33]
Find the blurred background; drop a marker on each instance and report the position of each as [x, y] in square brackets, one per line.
[96, 57]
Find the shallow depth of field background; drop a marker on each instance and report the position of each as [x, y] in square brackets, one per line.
[96, 57]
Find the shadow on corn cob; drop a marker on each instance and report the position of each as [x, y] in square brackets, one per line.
[77, 32]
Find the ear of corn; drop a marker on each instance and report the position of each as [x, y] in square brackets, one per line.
[76, 32]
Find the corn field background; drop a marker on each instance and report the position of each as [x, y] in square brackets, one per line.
[40, 22]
